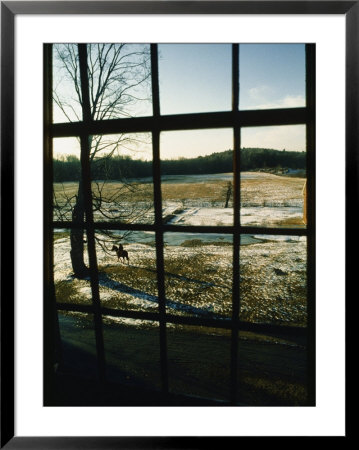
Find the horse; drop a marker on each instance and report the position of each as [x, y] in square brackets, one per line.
[121, 253]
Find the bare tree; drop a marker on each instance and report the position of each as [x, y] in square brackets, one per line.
[118, 78]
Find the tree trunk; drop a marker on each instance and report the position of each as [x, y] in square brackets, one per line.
[77, 238]
[228, 194]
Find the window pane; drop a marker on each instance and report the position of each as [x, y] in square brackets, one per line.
[197, 177]
[132, 354]
[272, 76]
[68, 288]
[199, 361]
[66, 83]
[119, 81]
[272, 370]
[127, 276]
[66, 176]
[273, 176]
[195, 78]
[274, 279]
[198, 274]
[122, 185]
[78, 345]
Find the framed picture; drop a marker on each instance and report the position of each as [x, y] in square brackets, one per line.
[174, 200]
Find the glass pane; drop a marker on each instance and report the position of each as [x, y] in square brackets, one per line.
[198, 274]
[195, 78]
[66, 83]
[199, 361]
[272, 370]
[274, 279]
[273, 176]
[132, 354]
[197, 177]
[272, 76]
[122, 186]
[127, 274]
[119, 81]
[78, 346]
[66, 175]
[68, 288]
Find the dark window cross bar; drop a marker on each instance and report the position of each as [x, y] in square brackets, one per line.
[224, 323]
[210, 229]
[230, 119]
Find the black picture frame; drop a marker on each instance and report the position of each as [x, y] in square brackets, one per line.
[9, 10]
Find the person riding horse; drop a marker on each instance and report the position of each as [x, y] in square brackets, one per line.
[121, 253]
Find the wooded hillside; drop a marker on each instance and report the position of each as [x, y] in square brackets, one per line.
[119, 167]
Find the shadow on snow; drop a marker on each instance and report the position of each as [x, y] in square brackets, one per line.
[106, 281]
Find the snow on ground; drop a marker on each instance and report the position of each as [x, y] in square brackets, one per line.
[198, 278]
[265, 216]
[250, 216]
[204, 216]
[266, 200]
[198, 267]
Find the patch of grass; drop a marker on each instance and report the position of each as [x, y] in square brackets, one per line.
[119, 302]
[116, 271]
[291, 221]
[195, 281]
[66, 292]
[268, 188]
[61, 235]
[193, 243]
[120, 272]
[141, 277]
[271, 189]
[220, 243]
[269, 374]
[134, 192]
[269, 391]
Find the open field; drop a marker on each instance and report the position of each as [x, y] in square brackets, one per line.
[272, 369]
[198, 279]
[198, 282]
[266, 200]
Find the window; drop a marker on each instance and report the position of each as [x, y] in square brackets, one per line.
[179, 247]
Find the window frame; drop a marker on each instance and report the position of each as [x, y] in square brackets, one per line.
[236, 120]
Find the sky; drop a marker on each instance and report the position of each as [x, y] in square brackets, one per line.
[272, 76]
[197, 78]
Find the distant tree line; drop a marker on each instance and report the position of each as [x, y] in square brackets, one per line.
[68, 168]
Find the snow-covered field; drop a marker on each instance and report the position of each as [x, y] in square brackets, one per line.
[198, 279]
[198, 267]
[250, 216]
[266, 200]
